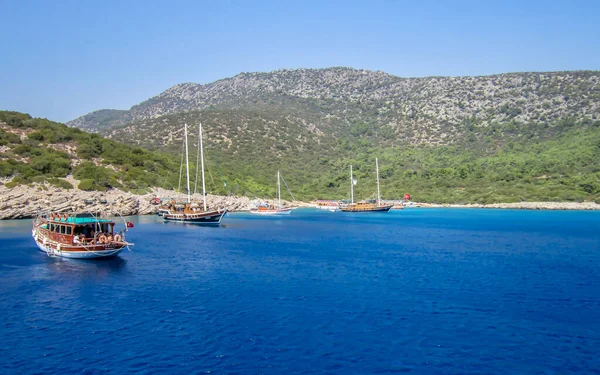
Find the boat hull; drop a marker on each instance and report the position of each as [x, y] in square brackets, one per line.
[284, 211]
[80, 252]
[204, 218]
[329, 208]
[371, 209]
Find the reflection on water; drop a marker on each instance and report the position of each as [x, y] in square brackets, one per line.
[98, 267]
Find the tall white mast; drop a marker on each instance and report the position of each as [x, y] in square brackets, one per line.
[202, 162]
[187, 165]
[351, 186]
[278, 189]
[378, 193]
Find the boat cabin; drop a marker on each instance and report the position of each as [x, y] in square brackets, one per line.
[63, 228]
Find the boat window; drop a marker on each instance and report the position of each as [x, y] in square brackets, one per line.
[63, 229]
[69, 230]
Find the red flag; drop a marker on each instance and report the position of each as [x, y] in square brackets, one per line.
[129, 224]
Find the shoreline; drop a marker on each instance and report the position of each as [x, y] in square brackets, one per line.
[24, 202]
[548, 206]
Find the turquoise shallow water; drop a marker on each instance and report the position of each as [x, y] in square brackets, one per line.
[424, 291]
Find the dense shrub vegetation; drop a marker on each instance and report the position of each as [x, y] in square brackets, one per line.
[502, 162]
[40, 154]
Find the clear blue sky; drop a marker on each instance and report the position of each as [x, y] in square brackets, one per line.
[62, 59]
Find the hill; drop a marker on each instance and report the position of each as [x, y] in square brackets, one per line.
[418, 110]
[38, 150]
[501, 138]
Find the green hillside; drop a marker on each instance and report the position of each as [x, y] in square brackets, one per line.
[39, 150]
[500, 138]
[497, 163]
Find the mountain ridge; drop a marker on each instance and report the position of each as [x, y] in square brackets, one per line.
[429, 109]
[500, 138]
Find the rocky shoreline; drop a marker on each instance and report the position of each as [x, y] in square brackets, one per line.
[24, 201]
[27, 201]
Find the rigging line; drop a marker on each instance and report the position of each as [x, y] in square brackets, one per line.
[288, 189]
[210, 174]
[197, 160]
[181, 168]
[223, 179]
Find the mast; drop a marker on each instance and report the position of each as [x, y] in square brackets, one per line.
[378, 193]
[278, 189]
[351, 186]
[187, 165]
[202, 162]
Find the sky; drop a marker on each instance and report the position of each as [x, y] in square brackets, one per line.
[63, 59]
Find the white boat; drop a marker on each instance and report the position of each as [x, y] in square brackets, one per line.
[269, 209]
[328, 205]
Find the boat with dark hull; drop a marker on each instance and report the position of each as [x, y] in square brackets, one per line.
[367, 205]
[191, 212]
[81, 236]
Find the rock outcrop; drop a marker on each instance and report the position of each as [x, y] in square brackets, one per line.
[27, 201]
[422, 110]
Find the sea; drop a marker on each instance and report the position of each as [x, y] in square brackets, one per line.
[422, 291]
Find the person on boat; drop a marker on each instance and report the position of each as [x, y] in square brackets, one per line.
[109, 238]
[102, 238]
[76, 240]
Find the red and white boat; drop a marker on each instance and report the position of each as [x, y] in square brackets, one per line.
[82, 236]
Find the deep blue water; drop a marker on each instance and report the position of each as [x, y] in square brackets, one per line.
[426, 291]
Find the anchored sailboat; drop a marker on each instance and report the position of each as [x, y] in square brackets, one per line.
[367, 205]
[269, 209]
[190, 212]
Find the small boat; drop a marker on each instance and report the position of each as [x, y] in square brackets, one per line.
[191, 212]
[328, 205]
[397, 205]
[269, 209]
[367, 205]
[82, 236]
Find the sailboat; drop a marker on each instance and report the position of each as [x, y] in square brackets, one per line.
[191, 212]
[367, 205]
[269, 209]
